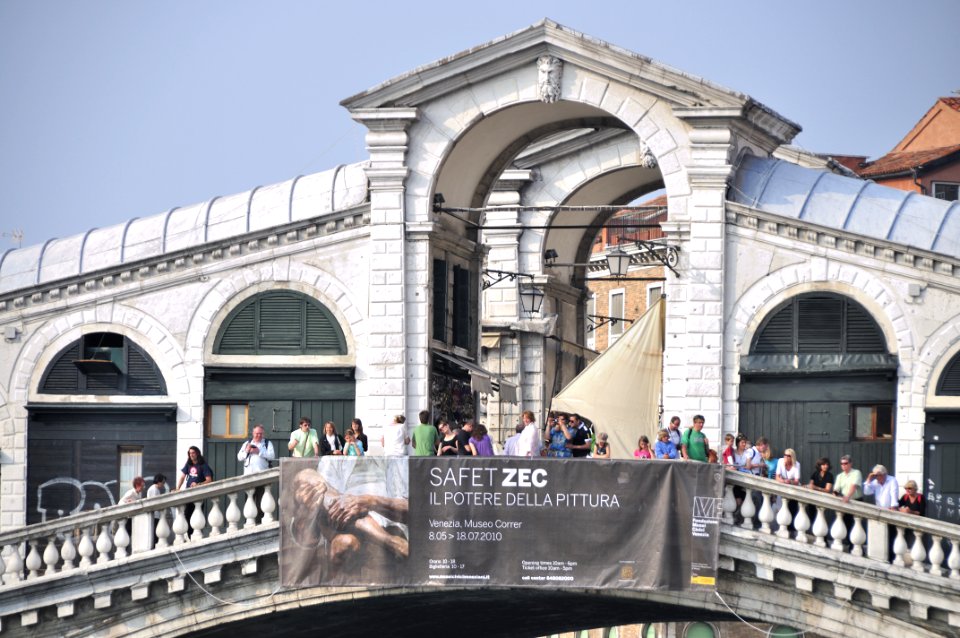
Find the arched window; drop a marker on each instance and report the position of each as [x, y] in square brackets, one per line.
[280, 322]
[819, 323]
[103, 363]
[949, 382]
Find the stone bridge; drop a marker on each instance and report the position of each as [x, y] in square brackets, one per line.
[889, 574]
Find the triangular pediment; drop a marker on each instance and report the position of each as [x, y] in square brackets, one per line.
[523, 47]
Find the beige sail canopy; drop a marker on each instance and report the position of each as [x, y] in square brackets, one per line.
[620, 390]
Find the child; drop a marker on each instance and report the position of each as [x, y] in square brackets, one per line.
[350, 446]
[665, 448]
[643, 449]
[602, 450]
[728, 440]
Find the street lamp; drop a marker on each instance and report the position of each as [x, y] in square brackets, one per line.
[531, 299]
[618, 262]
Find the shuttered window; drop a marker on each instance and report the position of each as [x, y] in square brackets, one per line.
[949, 382]
[440, 300]
[819, 323]
[135, 372]
[281, 322]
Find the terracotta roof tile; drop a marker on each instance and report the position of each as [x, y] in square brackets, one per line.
[952, 102]
[900, 161]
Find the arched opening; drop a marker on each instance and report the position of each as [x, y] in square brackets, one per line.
[82, 454]
[278, 358]
[941, 435]
[819, 379]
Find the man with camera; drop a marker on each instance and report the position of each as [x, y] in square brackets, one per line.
[256, 453]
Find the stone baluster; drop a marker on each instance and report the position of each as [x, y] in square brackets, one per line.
[936, 556]
[3, 563]
[104, 544]
[163, 530]
[180, 527]
[250, 510]
[34, 562]
[86, 548]
[14, 564]
[801, 523]
[838, 532]
[953, 562]
[215, 519]
[918, 553]
[729, 504]
[197, 522]
[900, 548]
[820, 529]
[51, 556]
[858, 536]
[121, 539]
[784, 518]
[766, 514]
[68, 552]
[268, 504]
[233, 513]
[747, 510]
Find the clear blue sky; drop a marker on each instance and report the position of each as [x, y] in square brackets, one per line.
[117, 109]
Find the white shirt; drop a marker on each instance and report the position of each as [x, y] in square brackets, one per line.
[793, 474]
[253, 463]
[529, 443]
[393, 439]
[510, 445]
[886, 495]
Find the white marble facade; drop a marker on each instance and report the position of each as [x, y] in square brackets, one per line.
[361, 240]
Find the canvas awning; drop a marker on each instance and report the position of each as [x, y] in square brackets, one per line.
[620, 390]
[482, 380]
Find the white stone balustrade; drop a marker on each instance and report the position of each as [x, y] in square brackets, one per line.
[100, 537]
[925, 545]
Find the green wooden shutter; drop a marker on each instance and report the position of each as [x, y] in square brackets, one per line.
[322, 333]
[461, 307]
[863, 333]
[281, 322]
[949, 382]
[62, 377]
[819, 324]
[776, 336]
[240, 332]
[440, 300]
[143, 377]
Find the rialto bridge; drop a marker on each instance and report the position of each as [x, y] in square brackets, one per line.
[808, 306]
[216, 575]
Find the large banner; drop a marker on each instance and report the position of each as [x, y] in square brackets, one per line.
[648, 525]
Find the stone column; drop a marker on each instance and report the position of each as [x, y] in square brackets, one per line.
[397, 344]
[693, 356]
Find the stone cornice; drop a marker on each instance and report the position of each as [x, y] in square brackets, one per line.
[97, 283]
[811, 234]
[523, 47]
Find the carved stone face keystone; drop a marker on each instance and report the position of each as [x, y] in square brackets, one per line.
[549, 70]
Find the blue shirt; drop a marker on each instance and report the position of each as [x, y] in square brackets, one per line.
[668, 448]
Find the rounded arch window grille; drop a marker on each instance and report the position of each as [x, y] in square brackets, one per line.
[280, 322]
[819, 323]
[949, 382]
[103, 363]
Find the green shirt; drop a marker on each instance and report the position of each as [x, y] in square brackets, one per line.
[843, 481]
[425, 439]
[305, 442]
[696, 443]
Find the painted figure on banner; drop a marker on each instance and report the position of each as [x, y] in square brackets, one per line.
[344, 521]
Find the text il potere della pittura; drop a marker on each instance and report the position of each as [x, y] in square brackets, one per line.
[478, 486]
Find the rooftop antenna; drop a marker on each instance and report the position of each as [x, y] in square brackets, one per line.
[16, 235]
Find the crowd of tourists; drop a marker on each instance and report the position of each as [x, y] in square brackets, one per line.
[562, 436]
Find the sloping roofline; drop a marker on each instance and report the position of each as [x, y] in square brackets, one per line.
[475, 64]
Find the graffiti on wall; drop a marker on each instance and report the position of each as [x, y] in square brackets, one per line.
[64, 496]
[944, 508]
